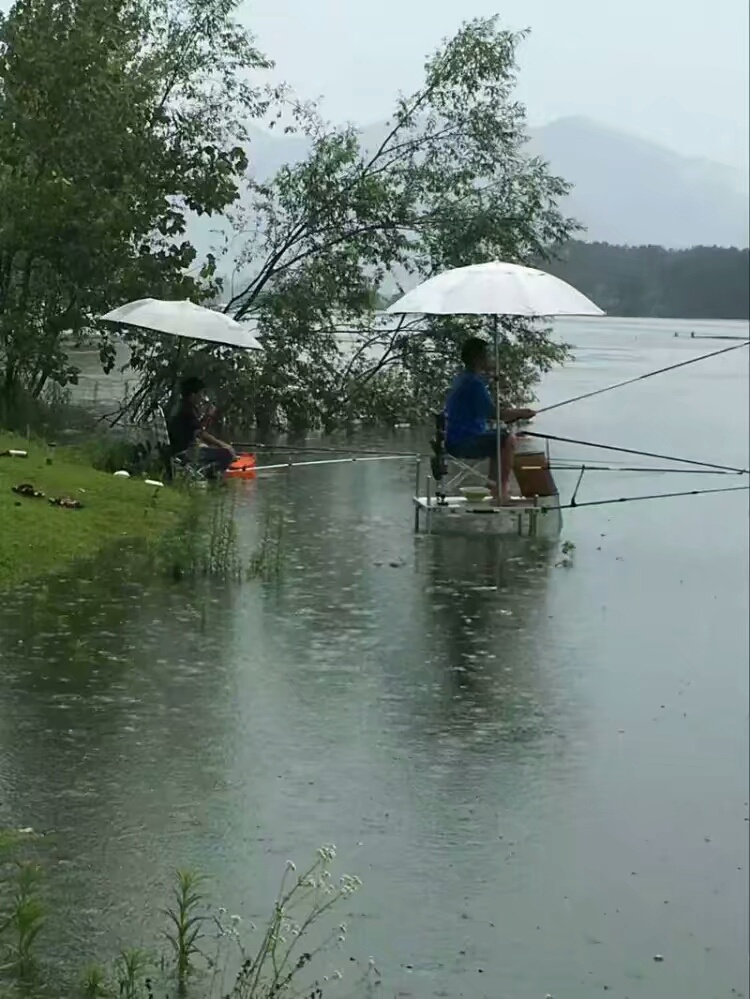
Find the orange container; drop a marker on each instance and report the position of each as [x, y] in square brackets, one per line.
[243, 467]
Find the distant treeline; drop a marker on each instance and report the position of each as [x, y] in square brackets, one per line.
[704, 282]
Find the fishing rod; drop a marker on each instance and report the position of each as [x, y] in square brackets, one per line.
[640, 468]
[643, 454]
[335, 461]
[591, 465]
[641, 378]
[312, 449]
[636, 499]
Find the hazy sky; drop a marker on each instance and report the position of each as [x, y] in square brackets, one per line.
[675, 71]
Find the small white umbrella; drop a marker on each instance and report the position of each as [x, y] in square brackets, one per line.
[495, 289]
[184, 319]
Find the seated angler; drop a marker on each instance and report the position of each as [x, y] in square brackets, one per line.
[188, 435]
[469, 409]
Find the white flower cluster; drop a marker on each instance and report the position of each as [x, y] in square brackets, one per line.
[327, 853]
[233, 930]
[349, 883]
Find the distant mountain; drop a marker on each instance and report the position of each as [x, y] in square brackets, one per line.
[626, 190]
[633, 192]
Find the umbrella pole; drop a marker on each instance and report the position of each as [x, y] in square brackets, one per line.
[496, 339]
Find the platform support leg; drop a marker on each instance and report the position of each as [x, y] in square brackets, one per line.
[416, 495]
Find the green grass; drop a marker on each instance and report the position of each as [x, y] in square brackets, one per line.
[37, 538]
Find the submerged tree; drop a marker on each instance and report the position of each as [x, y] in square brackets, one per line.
[449, 181]
[118, 119]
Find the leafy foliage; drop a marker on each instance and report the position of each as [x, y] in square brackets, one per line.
[118, 118]
[449, 183]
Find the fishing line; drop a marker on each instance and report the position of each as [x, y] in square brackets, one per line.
[643, 454]
[641, 378]
[636, 499]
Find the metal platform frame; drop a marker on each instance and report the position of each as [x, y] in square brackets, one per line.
[537, 517]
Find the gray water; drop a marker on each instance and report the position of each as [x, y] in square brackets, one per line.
[539, 772]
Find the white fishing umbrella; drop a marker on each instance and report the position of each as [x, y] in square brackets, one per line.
[496, 289]
[184, 319]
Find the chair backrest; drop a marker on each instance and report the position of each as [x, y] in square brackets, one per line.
[438, 462]
[159, 428]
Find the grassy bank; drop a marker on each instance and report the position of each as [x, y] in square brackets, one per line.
[37, 538]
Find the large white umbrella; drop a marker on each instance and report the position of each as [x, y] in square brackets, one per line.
[184, 319]
[495, 289]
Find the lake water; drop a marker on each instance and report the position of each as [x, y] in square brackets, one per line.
[540, 773]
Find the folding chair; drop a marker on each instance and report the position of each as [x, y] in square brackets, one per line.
[186, 464]
[157, 433]
[443, 464]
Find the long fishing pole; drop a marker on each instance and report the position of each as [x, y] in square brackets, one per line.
[636, 499]
[312, 449]
[643, 454]
[334, 461]
[574, 467]
[641, 378]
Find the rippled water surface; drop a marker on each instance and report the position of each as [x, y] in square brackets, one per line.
[539, 772]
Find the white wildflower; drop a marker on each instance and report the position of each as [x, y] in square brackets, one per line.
[236, 920]
[337, 976]
[349, 883]
[327, 852]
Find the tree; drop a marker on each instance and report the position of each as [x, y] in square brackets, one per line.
[118, 119]
[449, 182]
[703, 282]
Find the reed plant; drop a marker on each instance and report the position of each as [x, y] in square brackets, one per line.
[294, 954]
[267, 559]
[22, 913]
[206, 542]
[22, 923]
[186, 921]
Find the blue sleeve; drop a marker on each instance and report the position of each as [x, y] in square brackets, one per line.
[483, 400]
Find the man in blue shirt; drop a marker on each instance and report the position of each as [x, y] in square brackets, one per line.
[468, 410]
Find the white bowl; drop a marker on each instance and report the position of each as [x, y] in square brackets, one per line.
[475, 494]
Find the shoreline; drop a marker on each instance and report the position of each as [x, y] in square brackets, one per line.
[37, 538]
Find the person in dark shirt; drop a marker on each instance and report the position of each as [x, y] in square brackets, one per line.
[468, 410]
[186, 429]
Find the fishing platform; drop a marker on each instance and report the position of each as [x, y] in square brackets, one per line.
[455, 500]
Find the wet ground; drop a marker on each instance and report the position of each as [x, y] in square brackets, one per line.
[539, 772]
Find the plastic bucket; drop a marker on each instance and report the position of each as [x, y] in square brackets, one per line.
[243, 467]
